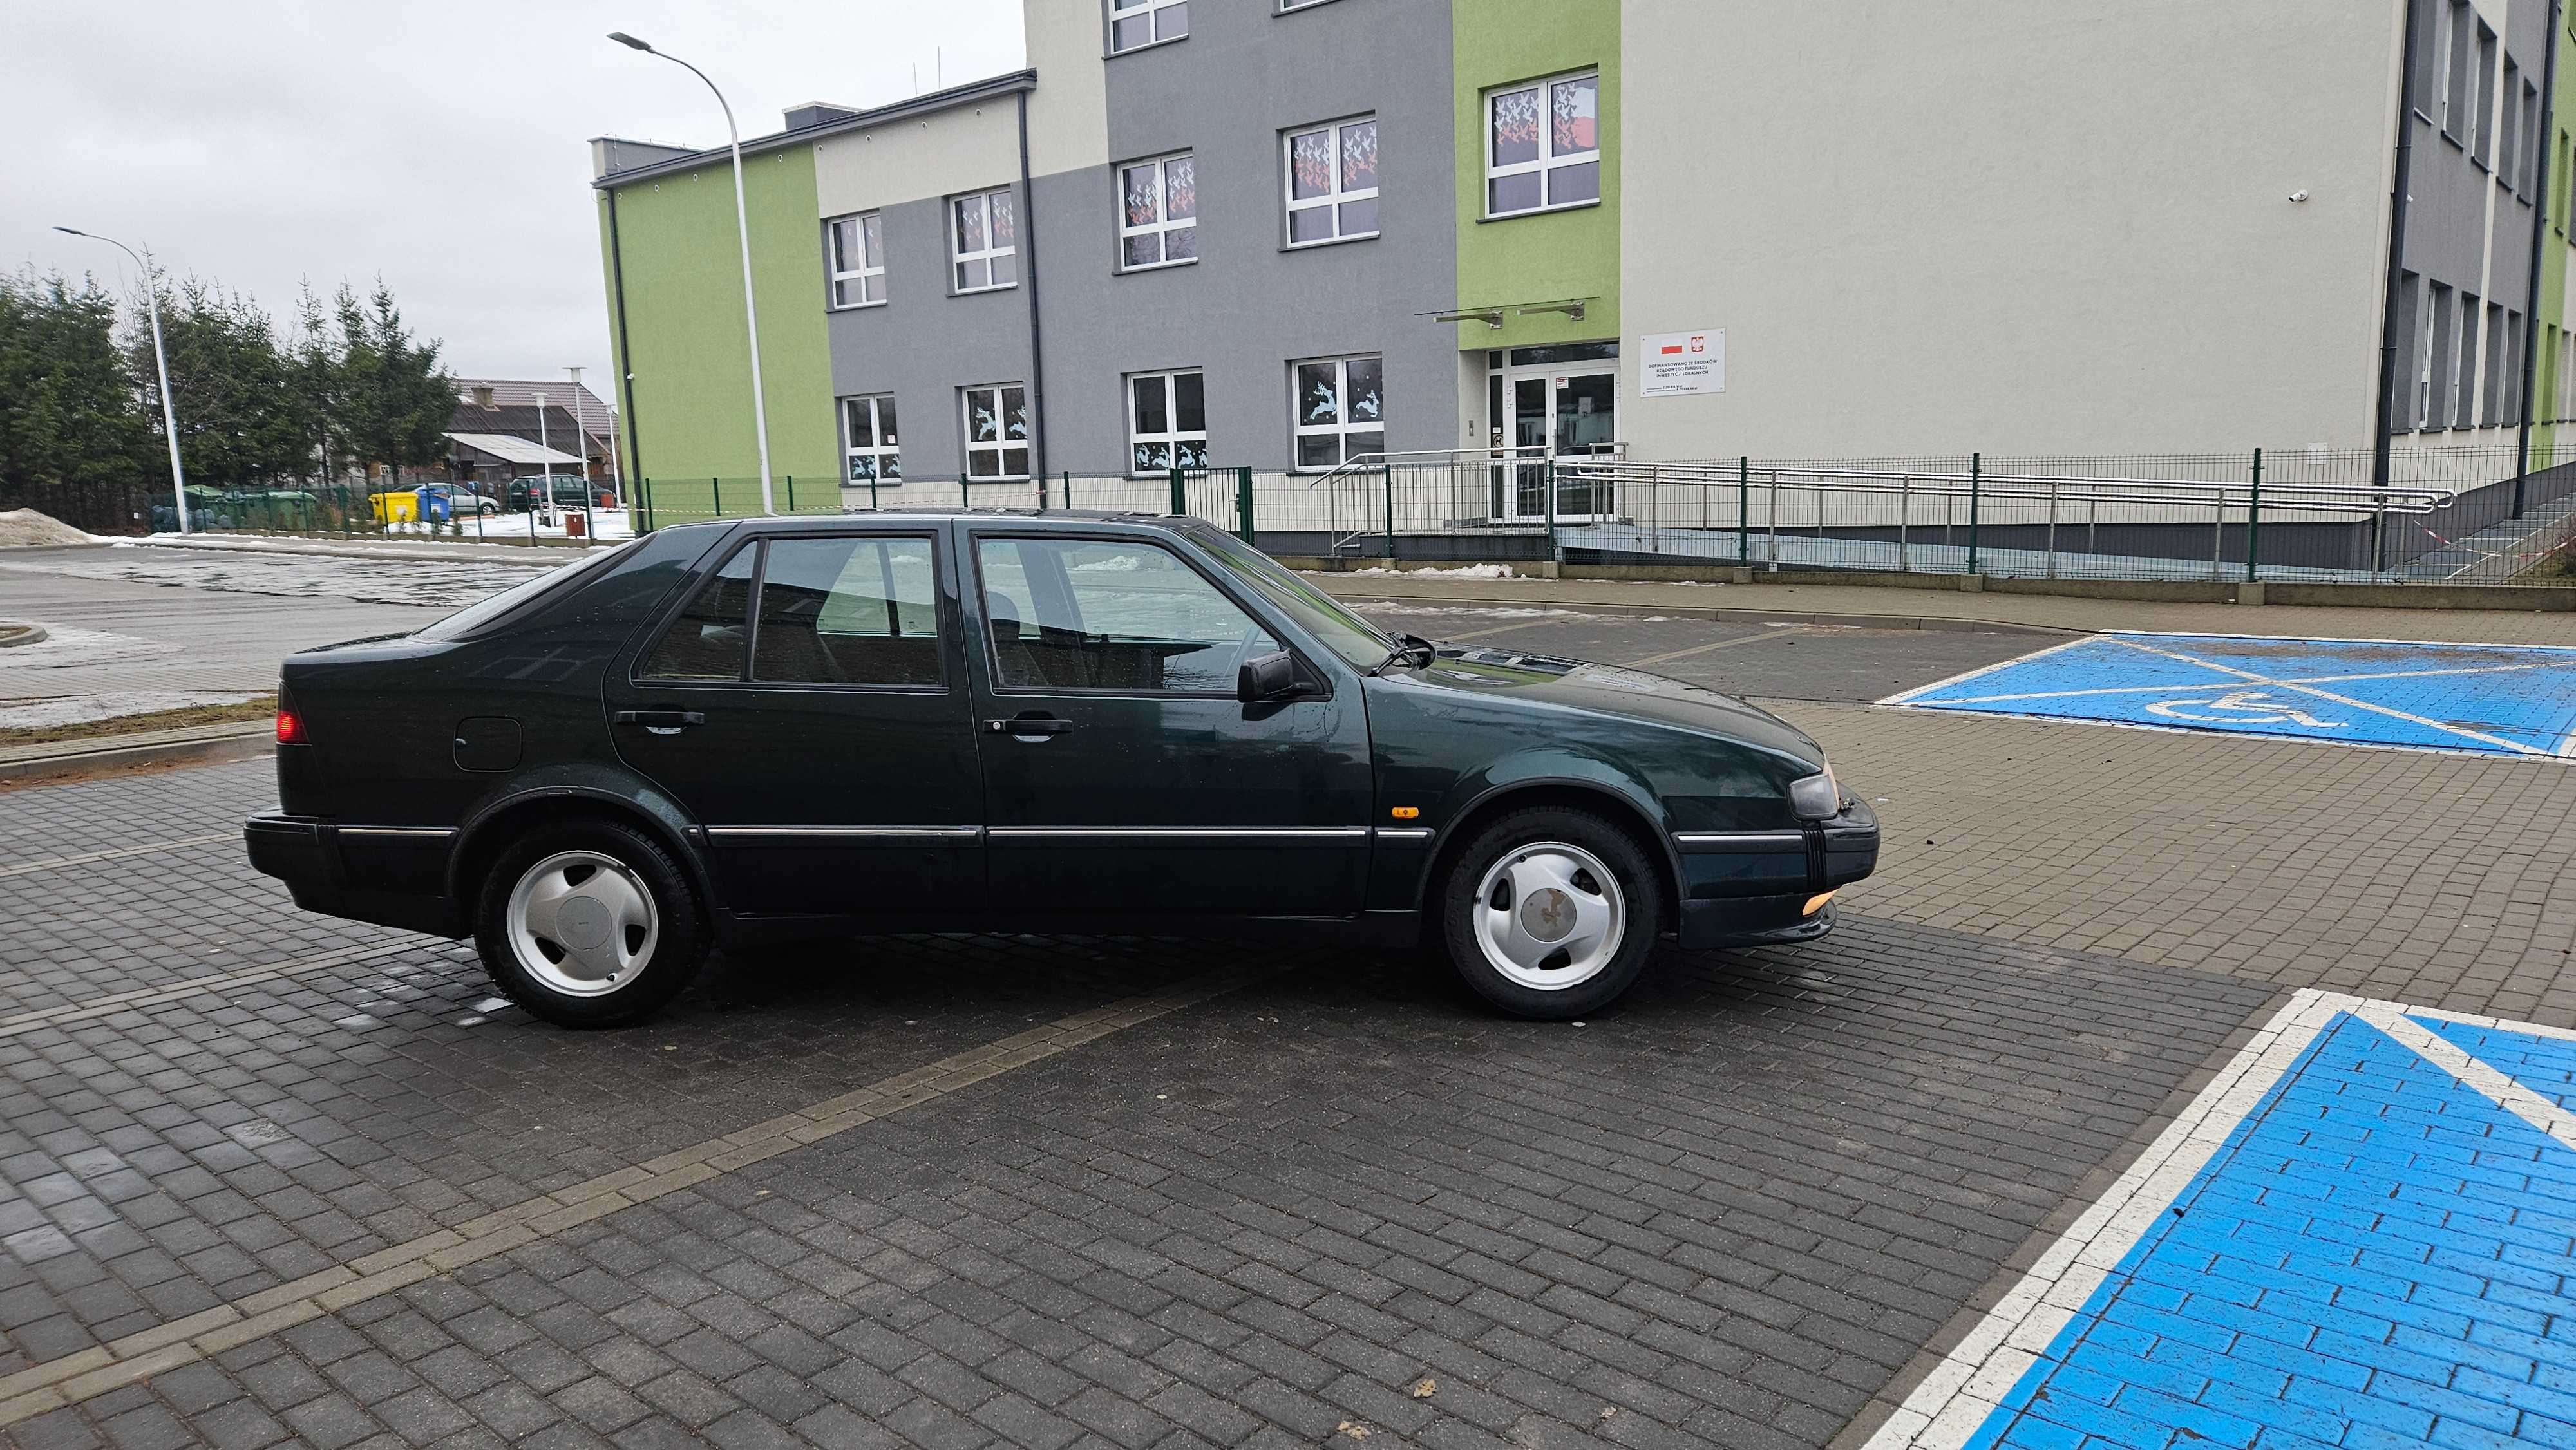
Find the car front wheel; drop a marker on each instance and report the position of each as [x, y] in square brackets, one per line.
[589, 925]
[1549, 913]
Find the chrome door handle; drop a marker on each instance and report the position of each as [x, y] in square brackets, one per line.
[1029, 725]
[660, 719]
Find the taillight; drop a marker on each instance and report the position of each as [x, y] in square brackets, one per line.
[290, 727]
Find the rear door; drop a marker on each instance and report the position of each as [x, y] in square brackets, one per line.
[808, 705]
[1121, 776]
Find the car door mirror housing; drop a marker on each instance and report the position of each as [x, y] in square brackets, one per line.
[1271, 677]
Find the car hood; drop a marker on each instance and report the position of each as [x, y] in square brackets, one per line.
[1616, 691]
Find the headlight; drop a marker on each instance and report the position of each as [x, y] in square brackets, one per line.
[1816, 797]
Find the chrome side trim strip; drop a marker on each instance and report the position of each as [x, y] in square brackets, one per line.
[849, 833]
[1404, 833]
[1183, 833]
[440, 833]
[1740, 838]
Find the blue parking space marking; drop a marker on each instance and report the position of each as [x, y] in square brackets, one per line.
[2489, 699]
[2362, 1234]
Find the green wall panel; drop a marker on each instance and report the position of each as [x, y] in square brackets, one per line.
[1550, 255]
[684, 320]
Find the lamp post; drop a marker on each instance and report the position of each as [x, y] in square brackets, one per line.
[160, 365]
[742, 226]
[580, 431]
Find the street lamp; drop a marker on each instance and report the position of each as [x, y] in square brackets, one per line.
[161, 365]
[742, 226]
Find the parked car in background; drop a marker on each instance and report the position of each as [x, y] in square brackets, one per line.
[450, 500]
[803, 727]
[562, 490]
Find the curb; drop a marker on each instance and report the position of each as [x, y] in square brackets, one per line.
[14, 634]
[466, 551]
[106, 754]
[1936, 623]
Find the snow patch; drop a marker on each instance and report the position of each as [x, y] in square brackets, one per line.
[109, 705]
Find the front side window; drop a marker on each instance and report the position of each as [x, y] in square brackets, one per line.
[1167, 421]
[1158, 212]
[868, 433]
[1089, 614]
[858, 261]
[1135, 24]
[847, 612]
[984, 230]
[1543, 146]
[997, 431]
[1340, 409]
[1332, 182]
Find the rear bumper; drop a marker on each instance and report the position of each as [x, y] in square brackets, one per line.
[312, 857]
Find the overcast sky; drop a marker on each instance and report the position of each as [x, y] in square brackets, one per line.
[443, 145]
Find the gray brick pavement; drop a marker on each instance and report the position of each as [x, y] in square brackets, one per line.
[1725, 1213]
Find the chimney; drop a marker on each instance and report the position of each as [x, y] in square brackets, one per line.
[483, 396]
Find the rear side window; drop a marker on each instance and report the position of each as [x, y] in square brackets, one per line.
[712, 637]
[848, 612]
[845, 611]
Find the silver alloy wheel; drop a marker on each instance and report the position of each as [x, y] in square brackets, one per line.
[582, 923]
[1549, 916]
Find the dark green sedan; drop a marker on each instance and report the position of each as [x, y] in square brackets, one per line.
[732, 733]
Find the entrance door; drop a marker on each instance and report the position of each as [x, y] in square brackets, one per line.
[808, 706]
[1551, 415]
[1122, 778]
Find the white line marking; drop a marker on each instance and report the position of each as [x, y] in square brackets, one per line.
[2456, 752]
[29, 868]
[1973, 1379]
[1778, 631]
[1964, 676]
[2224, 684]
[2428, 723]
[2330, 639]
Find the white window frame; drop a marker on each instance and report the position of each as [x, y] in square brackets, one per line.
[1151, 12]
[1003, 445]
[958, 258]
[1331, 202]
[1547, 162]
[870, 274]
[1298, 429]
[881, 451]
[1164, 223]
[1173, 434]
[1289, 7]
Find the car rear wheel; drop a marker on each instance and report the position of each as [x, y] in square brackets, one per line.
[1549, 913]
[589, 925]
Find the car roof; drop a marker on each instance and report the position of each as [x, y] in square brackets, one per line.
[1058, 518]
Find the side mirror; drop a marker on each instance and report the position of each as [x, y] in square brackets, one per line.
[1264, 678]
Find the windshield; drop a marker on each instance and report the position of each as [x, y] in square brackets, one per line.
[1324, 617]
[483, 611]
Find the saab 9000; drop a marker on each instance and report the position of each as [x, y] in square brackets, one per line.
[728, 733]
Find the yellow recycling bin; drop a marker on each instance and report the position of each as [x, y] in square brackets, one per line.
[401, 507]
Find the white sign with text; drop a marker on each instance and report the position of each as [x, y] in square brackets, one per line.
[1676, 364]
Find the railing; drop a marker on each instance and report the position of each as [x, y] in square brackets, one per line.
[2298, 515]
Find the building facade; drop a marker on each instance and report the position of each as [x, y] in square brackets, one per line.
[1281, 234]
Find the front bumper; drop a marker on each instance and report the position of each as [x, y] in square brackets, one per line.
[391, 881]
[1752, 888]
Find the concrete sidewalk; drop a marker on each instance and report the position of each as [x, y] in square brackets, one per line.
[1938, 608]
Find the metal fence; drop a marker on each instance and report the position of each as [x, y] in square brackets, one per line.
[2308, 514]
[1222, 496]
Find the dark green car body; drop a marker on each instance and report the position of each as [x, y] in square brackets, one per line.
[956, 801]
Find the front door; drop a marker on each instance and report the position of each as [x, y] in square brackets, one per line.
[1122, 778]
[1550, 415]
[808, 706]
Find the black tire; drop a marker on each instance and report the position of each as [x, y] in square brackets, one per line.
[1639, 897]
[678, 942]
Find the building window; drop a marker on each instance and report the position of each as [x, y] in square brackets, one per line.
[1135, 24]
[1340, 409]
[2482, 126]
[1543, 146]
[1284, 6]
[997, 432]
[986, 236]
[858, 261]
[1332, 182]
[868, 436]
[1158, 212]
[2509, 129]
[1167, 421]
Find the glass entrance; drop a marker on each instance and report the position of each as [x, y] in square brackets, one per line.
[1550, 415]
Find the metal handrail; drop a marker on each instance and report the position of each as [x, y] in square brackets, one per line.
[2395, 498]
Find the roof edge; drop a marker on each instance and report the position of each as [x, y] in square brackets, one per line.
[921, 105]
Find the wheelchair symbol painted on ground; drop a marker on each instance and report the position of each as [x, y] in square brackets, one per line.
[2514, 700]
